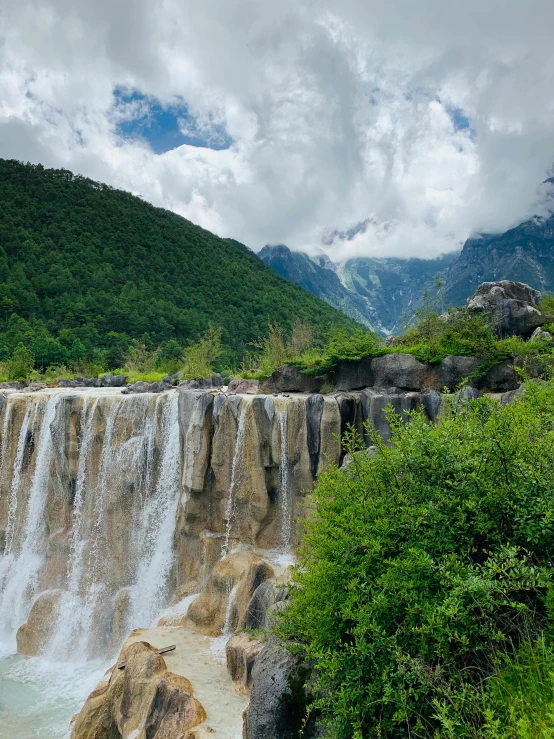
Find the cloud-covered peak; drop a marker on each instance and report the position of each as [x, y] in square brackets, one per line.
[289, 122]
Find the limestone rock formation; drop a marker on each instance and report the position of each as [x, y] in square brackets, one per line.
[143, 700]
[277, 699]
[33, 635]
[241, 651]
[513, 306]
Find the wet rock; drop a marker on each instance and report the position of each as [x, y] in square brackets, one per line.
[35, 634]
[402, 371]
[256, 574]
[431, 402]
[265, 596]
[241, 652]
[203, 383]
[314, 413]
[249, 387]
[513, 307]
[111, 380]
[277, 698]
[142, 700]
[207, 613]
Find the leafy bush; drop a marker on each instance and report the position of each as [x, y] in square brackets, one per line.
[21, 363]
[423, 568]
[199, 356]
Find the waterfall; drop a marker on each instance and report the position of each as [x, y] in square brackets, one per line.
[286, 501]
[156, 527]
[237, 457]
[16, 479]
[71, 616]
[20, 581]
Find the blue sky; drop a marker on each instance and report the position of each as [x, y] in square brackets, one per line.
[164, 127]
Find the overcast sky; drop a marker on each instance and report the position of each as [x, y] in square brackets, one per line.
[293, 122]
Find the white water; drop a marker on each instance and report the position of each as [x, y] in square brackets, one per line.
[156, 528]
[237, 458]
[219, 643]
[70, 616]
[20, 579]
[286, 499]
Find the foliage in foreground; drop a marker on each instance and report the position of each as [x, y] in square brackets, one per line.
[424, 570]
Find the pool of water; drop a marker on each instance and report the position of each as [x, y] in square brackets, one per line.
[38, 698]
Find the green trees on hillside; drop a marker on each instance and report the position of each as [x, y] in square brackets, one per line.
[423, 600]
[82, 262]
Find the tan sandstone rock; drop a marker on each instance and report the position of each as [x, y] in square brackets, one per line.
[33, 635]
[241, 652]
[143, 700]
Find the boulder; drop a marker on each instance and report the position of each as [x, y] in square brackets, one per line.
[464, 396]
[450, 372]
[512, 306]
[35, 634]
[142, 700]
[277, 697]
[249, 387]
[111, 380]
[501, 378]
[289, 379]
[33, 387]
[202, 383]
[264, 598]
[146, 387]
[402, 371]
[241, 652]
[540, 335]
[353, 375]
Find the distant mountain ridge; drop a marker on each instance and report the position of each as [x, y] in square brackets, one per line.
[379, 293]
[383, 293]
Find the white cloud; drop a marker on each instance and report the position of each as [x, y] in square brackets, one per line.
[339, 112]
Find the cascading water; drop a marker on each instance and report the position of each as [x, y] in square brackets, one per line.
[156, 527]
[20, 581]
[70, 616]
[286, 501]
[235, 467]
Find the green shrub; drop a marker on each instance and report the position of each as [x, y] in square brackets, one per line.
[424, 568]
[199, 356]
[21, 364]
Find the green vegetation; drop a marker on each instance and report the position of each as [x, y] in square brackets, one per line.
[423, 599]
[89, 273]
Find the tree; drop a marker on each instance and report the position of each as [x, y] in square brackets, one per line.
[21, 363]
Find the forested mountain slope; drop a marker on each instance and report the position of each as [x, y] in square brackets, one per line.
[83, 260]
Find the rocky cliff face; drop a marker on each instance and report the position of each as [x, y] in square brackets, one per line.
[111, 505]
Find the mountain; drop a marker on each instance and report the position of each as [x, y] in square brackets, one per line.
[383, 293]
[524, 254]
[379, 293]
[81, 260]
[318, 277]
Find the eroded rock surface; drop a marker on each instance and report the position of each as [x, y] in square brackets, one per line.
[144, 700]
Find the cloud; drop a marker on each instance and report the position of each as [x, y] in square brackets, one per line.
[293, 122]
